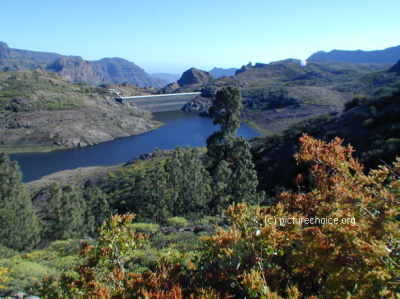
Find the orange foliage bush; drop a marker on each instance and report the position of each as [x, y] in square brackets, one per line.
[338, 238]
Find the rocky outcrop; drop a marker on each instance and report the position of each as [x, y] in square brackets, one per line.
[194, 76]
[190, 81]
[198, 104]
[117, 70]
[170, 88]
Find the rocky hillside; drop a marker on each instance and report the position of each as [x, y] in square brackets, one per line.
[77, 70]
[281, 93]
[389, 55]
[41, 111]
[191, 80]
[370, 124]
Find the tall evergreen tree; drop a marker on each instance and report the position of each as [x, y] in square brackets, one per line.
[97, 208]
[154, 194]
[73, 214]
[235, 179]
[65, 213]
[225, 111]
[19, 227]
[196, 190]
[176, 180]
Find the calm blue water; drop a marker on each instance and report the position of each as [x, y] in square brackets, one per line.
[180, 128]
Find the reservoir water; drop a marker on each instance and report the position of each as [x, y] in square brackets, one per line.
[180, 128]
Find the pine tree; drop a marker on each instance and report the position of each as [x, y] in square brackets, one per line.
[97, 208]
[19, 227]
[244, 181]
[176, 180]
[196, 191]
[154, 194]
[240, 182]
[65, 213]
[73, 212]
[220, 188]
[52, 213]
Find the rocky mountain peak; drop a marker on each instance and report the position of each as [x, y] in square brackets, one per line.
[194, 76]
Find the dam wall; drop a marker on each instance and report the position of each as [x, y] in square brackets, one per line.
[160, 103]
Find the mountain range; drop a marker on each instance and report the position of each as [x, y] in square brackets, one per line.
[77, 70]
[388, 55]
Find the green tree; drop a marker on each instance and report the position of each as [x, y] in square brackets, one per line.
[225, 111]
[19, 227]
[97, 208]
[240, 182]
[65, 213]
[176, 179]
[196, 190]
[154, 194]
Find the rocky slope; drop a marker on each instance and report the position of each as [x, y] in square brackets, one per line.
[76, 69]
[281, 93]
[39, 110]
[191, 80]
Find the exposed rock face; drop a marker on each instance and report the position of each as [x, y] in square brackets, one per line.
[191, 80]
[198, 104]
[194, 76]
[170, 88]
[77, 70]
[117, 70]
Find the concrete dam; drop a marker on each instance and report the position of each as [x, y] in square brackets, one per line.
[161, 102]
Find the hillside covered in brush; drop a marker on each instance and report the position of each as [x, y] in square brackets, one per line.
[371, 124]
[279, 94]
[39, 110]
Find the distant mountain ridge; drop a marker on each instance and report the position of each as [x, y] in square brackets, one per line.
[388, 55]
[76, 69]
[169, 78]
[217, 72]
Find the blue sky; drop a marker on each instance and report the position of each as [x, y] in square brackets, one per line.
[174, 35]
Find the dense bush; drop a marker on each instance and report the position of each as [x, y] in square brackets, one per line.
[336, 239]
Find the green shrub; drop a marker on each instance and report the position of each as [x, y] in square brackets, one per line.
[147, 228]
[177, 222]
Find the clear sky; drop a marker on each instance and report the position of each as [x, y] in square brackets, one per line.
[174, 35]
